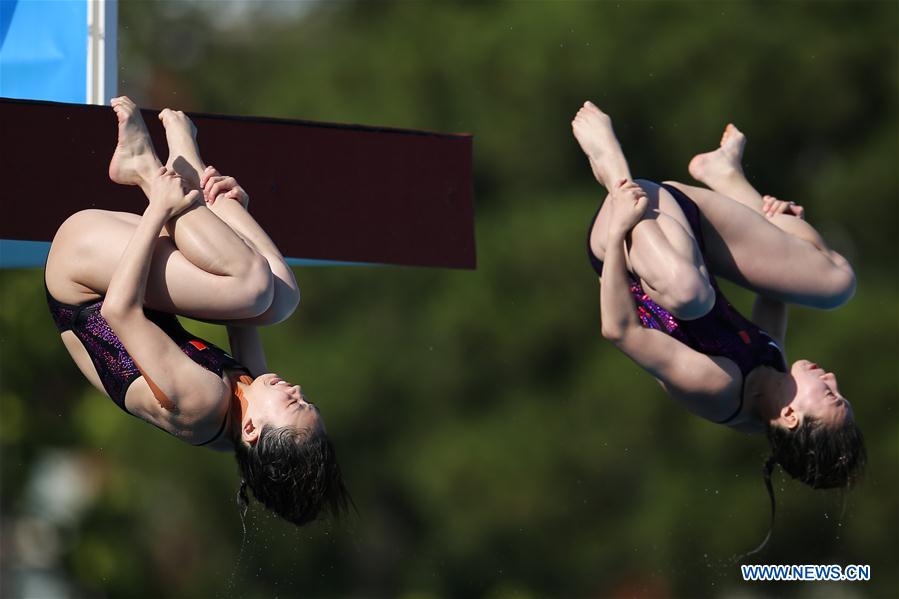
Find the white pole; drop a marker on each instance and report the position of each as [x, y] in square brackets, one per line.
[102, 61]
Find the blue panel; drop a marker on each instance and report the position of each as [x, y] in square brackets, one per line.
[309, 262]
[23, 254]
[43, 50]
[7, 8]
[33, 254]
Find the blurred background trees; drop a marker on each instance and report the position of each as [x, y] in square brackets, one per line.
[494, 444]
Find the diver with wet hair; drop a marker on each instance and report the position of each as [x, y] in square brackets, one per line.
[116, 280]
[657, 248]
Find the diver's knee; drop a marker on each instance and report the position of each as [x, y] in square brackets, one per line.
[284, 303]
[689, 293]
[291, 301]
[257, 284]
[840, 287]
[650, 187]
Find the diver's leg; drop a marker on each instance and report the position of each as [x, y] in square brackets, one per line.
[85, 253]
[783, 256]
[787, 261]
[184, 155]
[232, 282]
[181, 137]
[202, 237]
[722, 171]
[663, 252]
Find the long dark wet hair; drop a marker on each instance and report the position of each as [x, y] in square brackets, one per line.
[821, 456]
[292, 472]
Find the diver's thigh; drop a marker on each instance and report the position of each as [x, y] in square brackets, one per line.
[85, 245]
[87, 249]
[744, 247]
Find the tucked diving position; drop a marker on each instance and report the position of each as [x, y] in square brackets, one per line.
[658, 247]
[116, 281]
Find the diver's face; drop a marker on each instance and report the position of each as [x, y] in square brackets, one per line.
[817, 394]
[273, 401]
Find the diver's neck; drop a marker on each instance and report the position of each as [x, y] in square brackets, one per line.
[239, 402]
[768, 391]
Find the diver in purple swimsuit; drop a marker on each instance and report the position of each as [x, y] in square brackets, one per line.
[116, 281]
[722, 331]
[657, 249]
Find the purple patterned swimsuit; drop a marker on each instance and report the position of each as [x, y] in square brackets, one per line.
[722, 332]
[114, 364]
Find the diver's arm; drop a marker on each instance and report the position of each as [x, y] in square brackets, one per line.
[616, 306]
[707, 386]
[128, 284]
[168, 196]
[246, 346]
[619, 320]
[771, 316]
[176, 381]
[689, 376]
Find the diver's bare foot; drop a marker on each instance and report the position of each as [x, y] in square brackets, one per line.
[134, 161]
[184, 153]
[593, 130]
[716, 167]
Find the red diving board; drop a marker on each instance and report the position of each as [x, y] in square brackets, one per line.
[324, 192]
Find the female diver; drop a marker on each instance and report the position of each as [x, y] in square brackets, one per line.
[116, 280]
[657, 248]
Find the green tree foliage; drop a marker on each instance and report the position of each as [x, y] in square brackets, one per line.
[494, 444]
